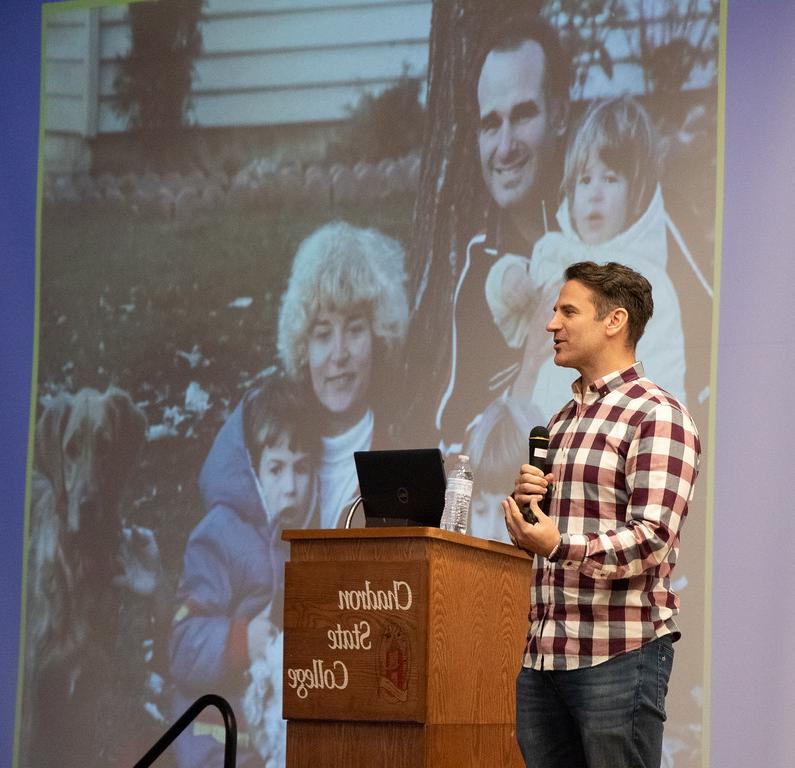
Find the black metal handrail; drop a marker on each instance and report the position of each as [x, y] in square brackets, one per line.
[190, 714]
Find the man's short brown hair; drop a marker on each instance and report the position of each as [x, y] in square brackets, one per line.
[615, 285]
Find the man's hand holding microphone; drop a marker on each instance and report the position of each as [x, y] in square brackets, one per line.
[528, 525]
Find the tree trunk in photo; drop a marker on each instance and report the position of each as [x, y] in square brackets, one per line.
[451, 199]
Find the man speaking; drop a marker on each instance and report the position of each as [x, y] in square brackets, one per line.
[623, 459]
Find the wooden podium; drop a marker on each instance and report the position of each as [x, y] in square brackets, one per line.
[401, 648]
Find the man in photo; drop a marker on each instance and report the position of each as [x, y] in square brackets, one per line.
[523, 104]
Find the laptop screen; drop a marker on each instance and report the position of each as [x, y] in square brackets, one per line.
[400, 488]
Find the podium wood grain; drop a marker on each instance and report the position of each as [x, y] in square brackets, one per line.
[466, 631]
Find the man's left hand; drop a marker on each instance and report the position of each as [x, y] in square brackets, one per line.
[540, 537]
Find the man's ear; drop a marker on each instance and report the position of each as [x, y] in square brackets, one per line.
[616, 321]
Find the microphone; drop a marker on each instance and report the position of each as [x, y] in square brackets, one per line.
[538, 443]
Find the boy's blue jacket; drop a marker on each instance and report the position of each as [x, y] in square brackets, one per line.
[229, 576]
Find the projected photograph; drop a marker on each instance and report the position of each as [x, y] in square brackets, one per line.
[276, 232]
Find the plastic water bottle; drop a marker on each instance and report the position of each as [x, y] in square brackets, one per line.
[458, 496]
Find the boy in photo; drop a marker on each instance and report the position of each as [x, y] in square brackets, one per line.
[257, 480]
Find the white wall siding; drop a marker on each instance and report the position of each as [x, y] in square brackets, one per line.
[263, 62]
[277, 62]
[72, 72]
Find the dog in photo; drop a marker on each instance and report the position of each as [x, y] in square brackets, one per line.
[79, 556]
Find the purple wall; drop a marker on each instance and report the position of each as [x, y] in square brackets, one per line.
[753, 658]
[19, 97]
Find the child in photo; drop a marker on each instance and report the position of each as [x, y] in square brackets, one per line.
[258, 479]
[612, 211]
[496, 439]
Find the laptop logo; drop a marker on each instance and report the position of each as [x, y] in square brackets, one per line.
[403, 495]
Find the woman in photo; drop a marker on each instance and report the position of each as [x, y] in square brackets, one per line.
[342, 321]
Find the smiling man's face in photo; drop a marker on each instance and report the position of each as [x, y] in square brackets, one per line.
[516, 138]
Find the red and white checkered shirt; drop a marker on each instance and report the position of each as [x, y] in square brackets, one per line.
[625, 457]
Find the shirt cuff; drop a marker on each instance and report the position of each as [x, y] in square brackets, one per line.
[570, 550]
[553, 555]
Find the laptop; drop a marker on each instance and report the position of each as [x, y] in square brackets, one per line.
[401, 488]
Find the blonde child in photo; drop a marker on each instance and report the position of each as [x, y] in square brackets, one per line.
[612, 210]
[498, 437]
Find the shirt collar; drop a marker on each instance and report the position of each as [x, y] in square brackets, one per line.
[601, 387]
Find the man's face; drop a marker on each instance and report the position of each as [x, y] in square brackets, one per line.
[516, 136]
[578, 337]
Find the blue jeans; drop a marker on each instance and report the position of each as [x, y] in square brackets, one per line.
[607, 716]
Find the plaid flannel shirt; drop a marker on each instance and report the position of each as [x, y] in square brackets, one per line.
[625, 457]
